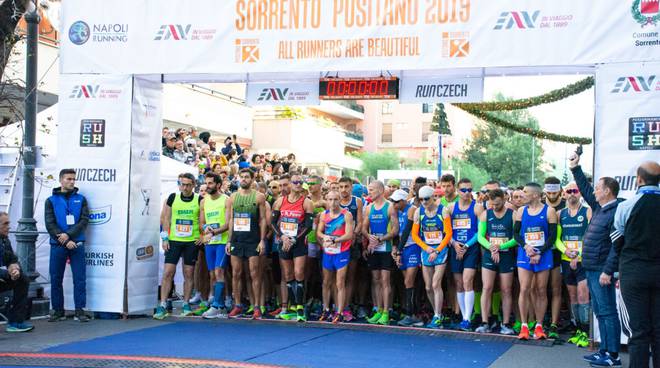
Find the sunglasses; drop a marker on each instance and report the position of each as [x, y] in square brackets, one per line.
[466, 190]
[274, 187]
[484, 191]
[297, 182]
[425, 199]
[572, 191]
[312, 183]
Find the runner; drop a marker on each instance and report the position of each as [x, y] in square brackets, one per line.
[464, 253]
[498, 257]
[381, 225]
[292, 219]
[335, 230]
[554, 199]
[354, 205]
[432, 231]
[408, 256]
[392, 186]
[448, 185]
[573, 223]
[180, 215]
[535, 229]
[214, 219]
[312, 267]
[247, 232]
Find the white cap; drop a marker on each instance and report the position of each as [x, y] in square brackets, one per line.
[399, 195]
[425, 192]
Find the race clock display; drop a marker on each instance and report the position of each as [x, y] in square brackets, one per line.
[377, 88]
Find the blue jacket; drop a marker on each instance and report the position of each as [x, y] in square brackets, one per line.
[598, 254]
[58, 206]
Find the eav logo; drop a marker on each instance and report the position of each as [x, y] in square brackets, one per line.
[176, 31]
[638, 84]
[521, 19]
[85, 91]
[275, 94]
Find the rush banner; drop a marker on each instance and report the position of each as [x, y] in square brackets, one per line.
[94, 139]
[435, 90]
[283, 93]
[627, 129]
[266, 36]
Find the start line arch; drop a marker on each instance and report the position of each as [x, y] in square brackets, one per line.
[115, 56]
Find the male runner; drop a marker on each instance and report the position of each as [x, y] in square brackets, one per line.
[554, 199]
[464, 253]
[448, 185]
[180, 215]
[214, 219]
[381, 224]
[354, 205]
[535, 229]
[392, 186]
[292, 219]
[335, 230]
[432, 231]
[498, 257]
[247, 233]
[573, 223]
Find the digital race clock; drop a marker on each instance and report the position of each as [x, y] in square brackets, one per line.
[377, 88]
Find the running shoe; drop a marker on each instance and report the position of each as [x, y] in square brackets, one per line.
[538, 333]
[249, 312]
[384, 319]
[57, 316]
[362, 313]
[300, 314]
[483, 328]
[237, 311]
[325, 316]
[552, 332]
[465, 325]
[203, 307]
[506, 330]
[211, 313]
[607, 361]
[407, 321]
[575, 338]
[583, 341]
[19, 327]
[524, 333]
[286, 315]
[347, 315]
[594, 357]
[275, 312]
[80, 316]
[161, 313]
[257, 313]
[339, 318]
[375, 318]
[435, 323]
[196, 298]
[186, 310]
[516, 326]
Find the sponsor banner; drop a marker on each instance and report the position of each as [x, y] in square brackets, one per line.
[436, 90]
[270, 36]
[94, 121]
[627, 128]
[144, 211]
[283, 94]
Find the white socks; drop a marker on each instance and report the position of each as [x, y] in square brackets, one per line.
[461, 302]
[469, 305]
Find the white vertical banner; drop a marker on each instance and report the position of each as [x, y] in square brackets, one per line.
[144, 208]
[94, 139]
[627, 130]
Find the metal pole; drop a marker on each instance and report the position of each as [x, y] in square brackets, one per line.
[439, 155]
[26, 231]
[533, 159]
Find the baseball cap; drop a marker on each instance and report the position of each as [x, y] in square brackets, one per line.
[399, 195]
[394, 182]
[425, 192]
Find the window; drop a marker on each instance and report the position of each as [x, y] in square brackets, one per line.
[426, 131]
[386, 108]
[386, 135]
[427, 108]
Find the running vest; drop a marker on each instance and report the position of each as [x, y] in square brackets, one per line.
[403, 222]
[464, 223]
[431, 227]
[246, 219]
[311, 236]
[534, 229]
[573, 229]
[335, 227]
[379, 224]
[499, 230]
[444, 202]
[184, 226]
[292, 216]
[214, 215]
[352, 207]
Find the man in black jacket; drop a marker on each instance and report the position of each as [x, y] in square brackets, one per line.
[600, 261]
[635, 239]
[12, 278]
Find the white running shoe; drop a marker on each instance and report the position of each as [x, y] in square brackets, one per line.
[196, 298]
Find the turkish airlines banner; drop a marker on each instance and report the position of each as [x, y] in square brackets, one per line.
[94, 138]
[627, 121]
[252, 36]
[436, 90]
[283, 93]
[144, 210]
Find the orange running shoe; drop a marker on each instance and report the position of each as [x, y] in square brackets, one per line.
[524, 333]
[236, 312]
[538, 333]
[257, 313]
[275, 312]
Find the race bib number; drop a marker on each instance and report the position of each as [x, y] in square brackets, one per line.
[433, 237]
[242, 223]
[498, 241]
[573, 245]
[382, 247]
[535, 238]
[461, 223]
[183, 228]
[289, 229]
[332, 248]
[70, 220]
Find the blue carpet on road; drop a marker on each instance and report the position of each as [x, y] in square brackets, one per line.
[291, 345]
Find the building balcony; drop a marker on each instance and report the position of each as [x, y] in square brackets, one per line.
[348, 110]
[353, 139]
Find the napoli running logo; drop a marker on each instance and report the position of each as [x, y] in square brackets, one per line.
[79, 32]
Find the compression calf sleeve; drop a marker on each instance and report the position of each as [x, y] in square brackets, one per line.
[218, 300]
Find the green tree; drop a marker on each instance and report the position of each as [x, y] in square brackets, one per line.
[440, 123]
[374, 161]
[503, 154]
[464, 169]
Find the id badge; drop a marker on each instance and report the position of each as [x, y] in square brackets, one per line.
[70, 220]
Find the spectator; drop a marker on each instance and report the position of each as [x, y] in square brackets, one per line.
[169, 147]
[600, 262]
[165, 134]
[193, 138]
[12, 278]
[180, 154]
[205, 137]
[278, 169]
[635, 239]
[232, 157]
[212, 145]
[66, 217]
[256, 161]
[231, 144]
